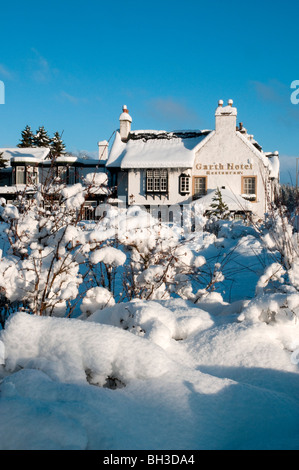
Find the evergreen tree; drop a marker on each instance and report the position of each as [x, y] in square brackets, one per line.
[288, 196]
[41, 138]
[57, 146]
[219, 208]
[27, 138]
[3, 163]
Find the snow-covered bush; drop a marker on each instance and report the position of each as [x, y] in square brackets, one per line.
[52, 259]
[79, 352]
[158, 321]
[281, 238]
[282, 241]
[96, 298]
[160, 261]
[277, 291]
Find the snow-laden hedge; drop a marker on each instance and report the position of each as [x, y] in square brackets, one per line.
[75, 351]
[160, 322]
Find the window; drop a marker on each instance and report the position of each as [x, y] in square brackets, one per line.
[156, 181]
[72, 175]
[200, 187]
[184, 184]
[88, 212]
[20, 175]
[62, 174]
[5, 178]
[31, 176]
[163, 181]
[149, 181]
[249, 187]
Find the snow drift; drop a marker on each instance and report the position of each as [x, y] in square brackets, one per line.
[73, 351]
[160, 323]
[182, 378]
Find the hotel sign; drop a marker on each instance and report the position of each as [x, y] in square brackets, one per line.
[224, 168]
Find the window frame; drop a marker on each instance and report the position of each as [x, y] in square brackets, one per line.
[248, 194]
[184, 184]
[71, 175]
[21, 170]
[156, 181]
[199, 195]
[31, 175]
[62, 173]
[67, 174]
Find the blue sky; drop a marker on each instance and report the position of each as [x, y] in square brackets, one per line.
[71, 65]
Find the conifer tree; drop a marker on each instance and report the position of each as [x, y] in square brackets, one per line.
[288, 197]
[41, 138]
[27, 138]
[57, 146]
[219, 208]
[3, 163]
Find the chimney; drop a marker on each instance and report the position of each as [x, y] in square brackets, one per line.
[243, 130]
[125, 121]
[226, 118]
[103, 150]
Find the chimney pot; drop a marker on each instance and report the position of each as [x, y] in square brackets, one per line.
[103, 150]
[125, 124]
[226, 118]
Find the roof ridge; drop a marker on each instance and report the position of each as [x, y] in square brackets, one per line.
[166, 135]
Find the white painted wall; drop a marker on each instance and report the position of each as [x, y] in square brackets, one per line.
[226, 158]
[223, 160]
[137, 194]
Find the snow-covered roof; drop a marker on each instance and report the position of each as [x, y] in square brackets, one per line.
[274, 164]
[233, 201]
[156, 149]
[29, 154]
[41, 154]
[269, 159]
[68, 159]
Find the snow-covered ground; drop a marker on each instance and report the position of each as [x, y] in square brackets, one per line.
[159, 374]
[194, 380]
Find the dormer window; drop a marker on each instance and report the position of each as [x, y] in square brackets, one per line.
[184, 184]
[156, 181]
